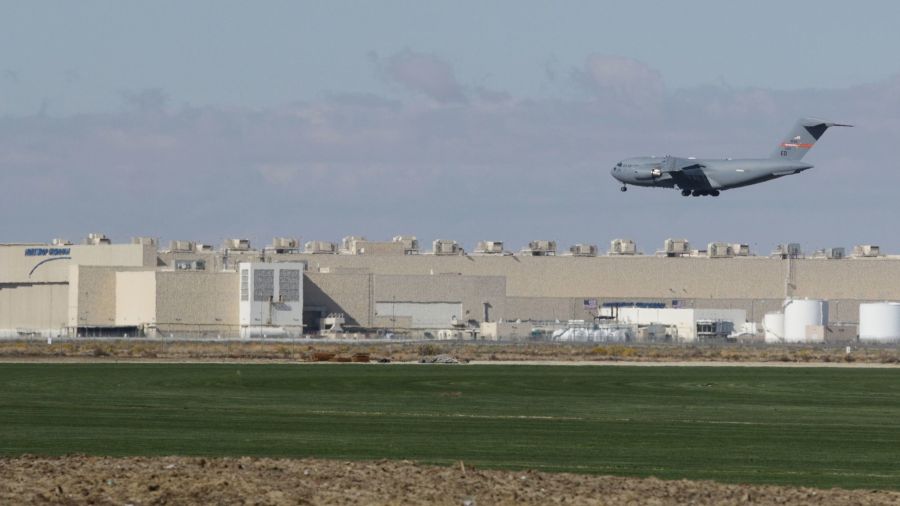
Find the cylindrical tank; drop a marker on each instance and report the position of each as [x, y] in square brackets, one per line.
[801, 313]
[879, 322]
[773, 326]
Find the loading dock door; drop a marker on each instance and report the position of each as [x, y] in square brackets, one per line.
[424, 315]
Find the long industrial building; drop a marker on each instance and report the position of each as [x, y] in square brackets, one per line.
[371, 287]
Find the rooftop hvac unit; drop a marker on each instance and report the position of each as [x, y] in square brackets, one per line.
[789, 250]
[283, 243]
[866, 251]
[146, 241]
[348, 243]
[583, 250]
[622, 247]
[409, 242]
[60, 242]
[676, 247]
[540, 248]
[202, 248]
[97, 238]
[719, 250]
[831, 253]
[181, 246]
[190, 265]
[446, 247]
[740, 250]
[489, 248]
[236, 244]
[320, 248]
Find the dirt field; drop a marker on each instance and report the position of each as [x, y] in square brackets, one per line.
[309, 350]
[176, 480]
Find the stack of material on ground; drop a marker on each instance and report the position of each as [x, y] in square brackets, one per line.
[439, 359]
[616, 334]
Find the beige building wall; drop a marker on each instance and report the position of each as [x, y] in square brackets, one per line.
[204, 299]
[472, 291]
[348, 293]
[545, 308]
[33, 289]
[197, 302]
[636, 277]
[39, 308]
[92, 296]
[555, 287]
[16, 267]
[136, 298]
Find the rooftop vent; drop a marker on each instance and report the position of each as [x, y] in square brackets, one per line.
[446, 247]
[236, 245]
[719, 250]
[866, 251]
[583, 250]
[284, 245]
[676, 247]
[320, 248]
[348, 244]
[622, 247]
[409, 242]
[789, 250]
[489, 248]
[830, 253]
[181, 246]
[540, 248]
[97, 238]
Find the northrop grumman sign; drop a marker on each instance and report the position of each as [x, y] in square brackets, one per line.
[43, 252]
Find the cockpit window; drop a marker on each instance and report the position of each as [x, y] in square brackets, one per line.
[619, 164]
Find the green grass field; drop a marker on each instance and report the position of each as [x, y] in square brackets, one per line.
[799, 426]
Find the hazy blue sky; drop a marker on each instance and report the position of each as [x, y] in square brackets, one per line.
[465, 120]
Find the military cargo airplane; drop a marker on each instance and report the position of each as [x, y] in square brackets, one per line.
[698, 177]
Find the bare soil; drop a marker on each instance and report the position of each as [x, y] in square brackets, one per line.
[181, 480]
[315, 350]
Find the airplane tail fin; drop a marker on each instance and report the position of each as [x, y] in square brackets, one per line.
[802, 137]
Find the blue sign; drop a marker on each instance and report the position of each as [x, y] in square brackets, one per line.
[43, 252]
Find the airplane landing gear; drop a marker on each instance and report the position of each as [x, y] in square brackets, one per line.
[623, 188]
[700, 193]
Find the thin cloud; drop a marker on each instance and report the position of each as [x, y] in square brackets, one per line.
[629, 84]
[424, 73]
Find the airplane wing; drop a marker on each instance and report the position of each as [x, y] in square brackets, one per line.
[691, 177]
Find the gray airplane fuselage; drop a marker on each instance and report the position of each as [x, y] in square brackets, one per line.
[704, 174]
[707, 176]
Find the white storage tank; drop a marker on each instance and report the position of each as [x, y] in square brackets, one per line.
[773, 326]
[799, 314]
[879, 322]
